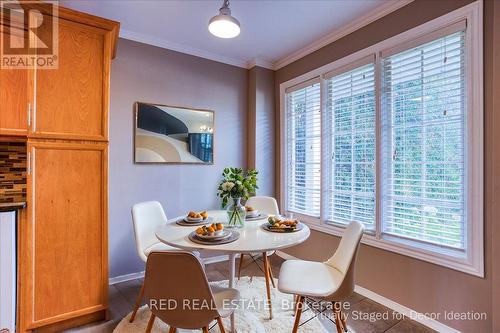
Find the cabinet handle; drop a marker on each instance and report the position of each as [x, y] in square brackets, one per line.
[29, 115]
[28, 160]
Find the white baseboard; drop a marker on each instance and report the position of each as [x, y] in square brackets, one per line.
[414, 315]
[139, 275]
[213, 260]
[126, 277]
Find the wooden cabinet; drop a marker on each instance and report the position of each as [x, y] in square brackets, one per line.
[62, 236]
[72, 101]
[16, 97]
[14, 102]
[67, 222]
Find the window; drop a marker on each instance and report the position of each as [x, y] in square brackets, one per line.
[304, 149]
[392, 136]
[424, 131]
[350, 117]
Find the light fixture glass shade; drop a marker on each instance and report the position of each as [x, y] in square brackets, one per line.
[224, 26]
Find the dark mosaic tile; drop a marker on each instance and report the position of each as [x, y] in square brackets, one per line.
[13, 172]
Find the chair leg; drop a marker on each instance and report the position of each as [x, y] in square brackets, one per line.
[205, 329]
[256, 263]
[172, 329]
[338, 323]
[271, 274]
[221, 326]
[137, 303]
[342, 319]
[239, 266]
[298, 313]
[295, 301]
[268, 288]
[150, 323]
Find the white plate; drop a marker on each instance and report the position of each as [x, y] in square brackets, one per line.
[218, 235]
[193, 220]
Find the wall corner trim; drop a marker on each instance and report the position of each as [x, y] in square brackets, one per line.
[165, 44]
[260, 63]
[412, 314]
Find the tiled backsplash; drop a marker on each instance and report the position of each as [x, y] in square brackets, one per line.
[12, 171]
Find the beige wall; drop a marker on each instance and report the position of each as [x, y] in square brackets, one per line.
[416, 284]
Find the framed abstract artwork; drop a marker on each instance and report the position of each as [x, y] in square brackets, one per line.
[173, 134]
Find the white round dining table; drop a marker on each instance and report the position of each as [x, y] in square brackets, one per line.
[253, 239]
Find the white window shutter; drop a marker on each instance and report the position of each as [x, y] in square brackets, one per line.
[350, 123]
[303, 149]
[424, 108]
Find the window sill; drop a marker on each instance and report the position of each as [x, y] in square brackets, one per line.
[455, 260]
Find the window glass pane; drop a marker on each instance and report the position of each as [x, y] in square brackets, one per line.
[423, 142]
[351, 146]
[303, 142]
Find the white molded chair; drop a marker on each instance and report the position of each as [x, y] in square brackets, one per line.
[267, 205]
[331, 281]
[147, 217]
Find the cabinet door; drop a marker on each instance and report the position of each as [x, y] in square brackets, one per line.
[72, 100]
[67, 207]
[16, 87]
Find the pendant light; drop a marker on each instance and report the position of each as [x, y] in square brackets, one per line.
[224, 25]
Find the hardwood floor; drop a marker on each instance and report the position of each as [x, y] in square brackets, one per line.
[122, 297]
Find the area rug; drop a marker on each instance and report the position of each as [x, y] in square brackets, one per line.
[250, 318]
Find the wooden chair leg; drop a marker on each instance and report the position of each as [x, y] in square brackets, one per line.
[172, 329]
[150, 323]
[205, 329]
[268, 288]
[137, 303]
[298, 313]
[342, 319]
[221, 326]
[239, 266]
[295, 301]
[338, 323]
[271, 274]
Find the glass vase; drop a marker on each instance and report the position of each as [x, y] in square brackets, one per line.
[236, 213]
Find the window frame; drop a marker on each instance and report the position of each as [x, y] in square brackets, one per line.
[472, 261]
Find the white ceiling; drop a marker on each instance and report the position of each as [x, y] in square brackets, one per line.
[273, 33]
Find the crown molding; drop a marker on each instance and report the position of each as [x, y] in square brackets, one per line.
[345, 30]
[260, 63]
[387, 8]
[163, 43]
